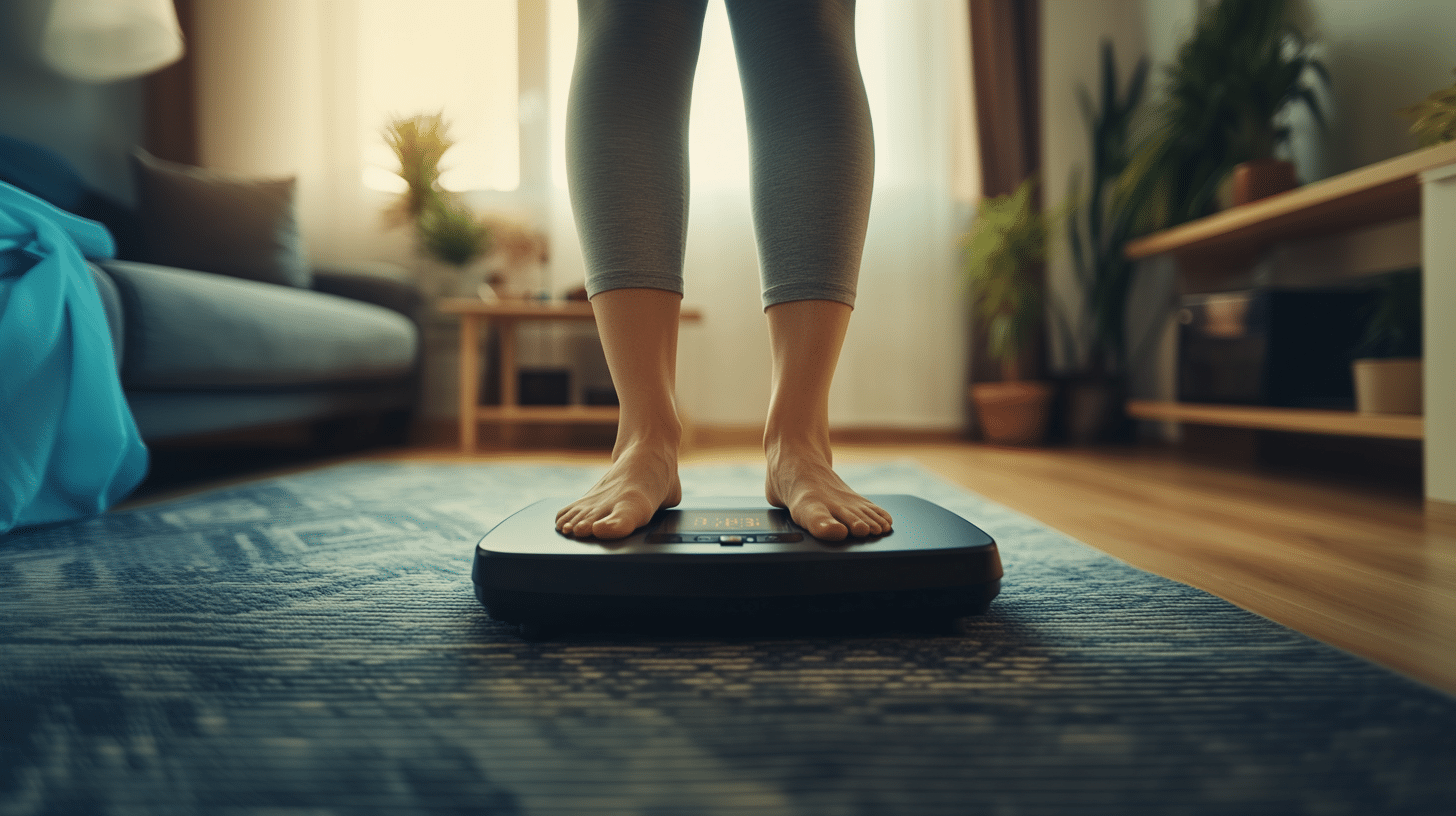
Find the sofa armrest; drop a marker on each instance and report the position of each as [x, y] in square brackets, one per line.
[381, 291]
[111, 302]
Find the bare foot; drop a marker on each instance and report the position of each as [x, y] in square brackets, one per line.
[642, 480]
[802, 480]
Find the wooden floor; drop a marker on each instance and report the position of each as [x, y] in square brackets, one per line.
[1361, 568]
[1365, 571]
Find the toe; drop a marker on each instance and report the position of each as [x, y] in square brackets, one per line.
[824, 526]
[568, 519]
[612, 527]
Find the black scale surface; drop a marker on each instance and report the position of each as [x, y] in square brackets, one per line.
[731, 559]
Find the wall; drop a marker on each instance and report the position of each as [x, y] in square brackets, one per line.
[93, 126]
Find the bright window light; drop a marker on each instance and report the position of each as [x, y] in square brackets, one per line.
[452, 56]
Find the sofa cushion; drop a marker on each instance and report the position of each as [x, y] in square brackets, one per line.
[194, 330]
[200, 219]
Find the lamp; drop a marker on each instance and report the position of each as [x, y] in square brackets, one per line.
[110, 40]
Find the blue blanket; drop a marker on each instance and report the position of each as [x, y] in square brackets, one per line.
[69, 447]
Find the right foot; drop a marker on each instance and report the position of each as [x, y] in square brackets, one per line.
[642, 480]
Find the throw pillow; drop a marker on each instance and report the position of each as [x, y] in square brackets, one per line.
[208, 221]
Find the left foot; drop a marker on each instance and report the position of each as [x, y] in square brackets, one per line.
[802, 480]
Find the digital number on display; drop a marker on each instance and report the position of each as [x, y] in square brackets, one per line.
[698, 521]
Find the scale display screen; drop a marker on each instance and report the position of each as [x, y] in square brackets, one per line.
[728, 527]
[726, 521]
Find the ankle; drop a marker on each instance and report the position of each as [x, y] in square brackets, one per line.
[795, 441]
[656, 436]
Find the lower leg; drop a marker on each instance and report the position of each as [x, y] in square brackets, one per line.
[805, 337]
[627, 167]
[638, 328]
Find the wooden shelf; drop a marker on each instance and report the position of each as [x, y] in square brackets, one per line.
[1299, 420]
[1382, 192]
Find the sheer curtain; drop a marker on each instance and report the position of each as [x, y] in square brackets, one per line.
[302, 87]
[904, 363]
[306, 88]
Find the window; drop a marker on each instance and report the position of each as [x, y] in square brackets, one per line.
[455, 56]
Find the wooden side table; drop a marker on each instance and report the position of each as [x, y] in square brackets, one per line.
[507, 315]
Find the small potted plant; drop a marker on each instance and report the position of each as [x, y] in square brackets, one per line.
[1009, 236]
[1387, 366]
[445, 228]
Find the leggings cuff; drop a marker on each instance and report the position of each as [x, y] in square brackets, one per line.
[605, 281]
[808, 290]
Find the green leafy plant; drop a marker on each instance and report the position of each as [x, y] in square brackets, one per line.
[1434, 118]
[419, 143]
[1008, 236]
[445, 228]
[450, 232]
[1100, 224]
[1243, 66]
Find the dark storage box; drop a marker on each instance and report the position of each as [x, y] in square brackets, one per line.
[1283, 347]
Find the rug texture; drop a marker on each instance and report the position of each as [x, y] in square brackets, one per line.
[312, 645]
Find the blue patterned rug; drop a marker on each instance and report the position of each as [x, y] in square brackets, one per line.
[311, 645]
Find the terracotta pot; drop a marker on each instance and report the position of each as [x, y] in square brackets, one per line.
[1013, 413]
[1262, 178]
[1392, 386]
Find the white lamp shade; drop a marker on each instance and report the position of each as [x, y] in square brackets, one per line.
[110, 40]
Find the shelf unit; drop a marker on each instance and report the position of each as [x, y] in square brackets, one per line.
[1420, 184]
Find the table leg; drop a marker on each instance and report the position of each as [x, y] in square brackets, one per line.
[469, 380]
[509, 381]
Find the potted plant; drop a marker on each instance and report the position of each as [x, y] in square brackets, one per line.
[1097, 228]
[1387, 366]
[1007, 238]
[445, 228]
[1244, 65]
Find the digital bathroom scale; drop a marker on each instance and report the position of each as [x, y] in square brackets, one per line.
[733, 560]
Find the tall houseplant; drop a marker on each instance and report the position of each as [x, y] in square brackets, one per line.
[1009, 236]
[1244, 65]
[1098, 227]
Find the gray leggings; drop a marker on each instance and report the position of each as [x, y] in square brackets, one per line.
[809, 126]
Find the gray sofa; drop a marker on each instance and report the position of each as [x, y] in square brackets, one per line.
[203, 353]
